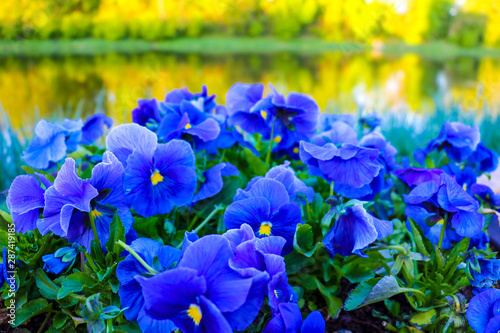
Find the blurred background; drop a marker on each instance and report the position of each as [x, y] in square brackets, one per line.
[412, 60]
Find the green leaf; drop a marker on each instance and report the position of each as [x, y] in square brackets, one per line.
[424, 318]
[75, 283]
[7, 217]
[333, 303]
[303, 240]
[116, 233]
[47, 288]
[59, 320]
[372, 291]
[424, 246]
[256, 164]
[97, 254]
[360, 269]
[31, 309]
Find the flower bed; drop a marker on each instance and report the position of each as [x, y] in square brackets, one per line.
[262, 215]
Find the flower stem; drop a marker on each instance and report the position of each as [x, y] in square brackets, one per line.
[331, 188]
[94, 229]
[271, 139]
[137, 256]
[443, 230]
[209, 217]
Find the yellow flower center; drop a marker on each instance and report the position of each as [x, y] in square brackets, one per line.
[96, 213]
[188, 126]
[440, 221]
[296, 150]
[465, 187]
[265, 229]
[263, 114]
[156, 178]
[194, 312]
[275, 293]
[277, 139]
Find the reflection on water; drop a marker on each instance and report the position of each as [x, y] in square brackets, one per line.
[32, 88]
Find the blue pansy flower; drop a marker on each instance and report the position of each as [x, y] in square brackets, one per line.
[26, 200]
[348, 165]
[371, 121]
[457, 139]
[291, 119]
[48, 145]
[482, 273]
[354, 230]
[483, 312]
[241, 103]
[129, 271]
[254, 256]
[70, 200]
[214, 181]
[296, 188]
[266, 207]
[289, 320]
[187, 118]
[61, 260]
[73, 131]
[157, 176]
[338, 132]
[386, 159]
[486, 195]
[147, 114]
[93, 128]
[465, 177]
[204, 293]
[202, 101]
[429, 202]
[4, 276]
[483, 159]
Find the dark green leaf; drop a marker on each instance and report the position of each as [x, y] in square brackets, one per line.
[424, 246]
[75, 283]
[303, 240]
[116, 233]
[47, 288]
[256, 164]
[31, 309]
[333, 303]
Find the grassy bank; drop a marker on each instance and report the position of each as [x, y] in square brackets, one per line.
[224, 45]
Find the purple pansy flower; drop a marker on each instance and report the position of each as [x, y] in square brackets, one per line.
[129, 272]
[26, 200]
[200, 100]
[416, 176]
[266, 207]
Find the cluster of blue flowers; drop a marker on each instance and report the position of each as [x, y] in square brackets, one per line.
[167, 163]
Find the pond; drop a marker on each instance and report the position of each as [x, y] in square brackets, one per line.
[51, 87]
